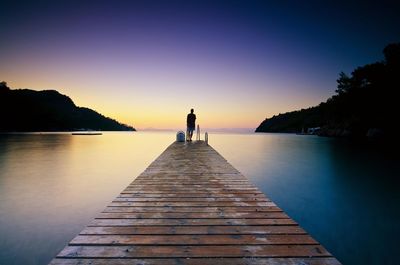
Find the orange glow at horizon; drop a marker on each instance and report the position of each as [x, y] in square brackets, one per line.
[146, 64]
[145, 111]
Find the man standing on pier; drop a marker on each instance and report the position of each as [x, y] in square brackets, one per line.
[191, 124]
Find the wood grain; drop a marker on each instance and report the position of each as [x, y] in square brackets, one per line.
[191, 207]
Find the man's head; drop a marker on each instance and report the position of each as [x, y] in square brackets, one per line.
[191, 110]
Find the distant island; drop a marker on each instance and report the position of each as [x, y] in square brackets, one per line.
[365, 104]
[25, 110]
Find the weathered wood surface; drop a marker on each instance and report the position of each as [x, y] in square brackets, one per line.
[191, 207]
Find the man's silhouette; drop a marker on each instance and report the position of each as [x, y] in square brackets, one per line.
[191, 124]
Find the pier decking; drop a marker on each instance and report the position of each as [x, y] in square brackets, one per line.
[191, 207]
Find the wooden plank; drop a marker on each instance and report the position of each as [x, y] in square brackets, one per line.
[197, 191]
[213, 215]
[139, 251]
[197, 172]
[211, 187]
[189, 199]
[192, 184]
[192, 230]
[192, 195]
[199, 261]
[188, 190]
[189, 222]
[195, 176]
[186, 173]
[189, 179]
[191, 204]
[128, 209]
[186, 240]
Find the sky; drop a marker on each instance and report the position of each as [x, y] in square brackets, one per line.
[146, 63]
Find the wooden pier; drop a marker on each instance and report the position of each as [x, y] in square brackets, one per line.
[191, 207]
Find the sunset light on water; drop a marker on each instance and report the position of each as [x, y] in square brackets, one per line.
[217, 132]
[147, 63]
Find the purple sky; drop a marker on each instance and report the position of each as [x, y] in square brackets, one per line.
[146, 63]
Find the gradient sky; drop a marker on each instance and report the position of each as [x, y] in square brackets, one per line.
[146, 63]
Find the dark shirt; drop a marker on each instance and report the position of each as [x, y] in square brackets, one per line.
[190, 120]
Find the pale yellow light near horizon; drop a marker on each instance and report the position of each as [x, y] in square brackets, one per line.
[148, 106]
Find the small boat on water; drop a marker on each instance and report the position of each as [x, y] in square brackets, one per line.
[310, 131]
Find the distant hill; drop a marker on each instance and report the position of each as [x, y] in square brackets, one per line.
[365, 104]
[47, 110]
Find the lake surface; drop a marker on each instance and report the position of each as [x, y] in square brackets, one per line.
[346, 196]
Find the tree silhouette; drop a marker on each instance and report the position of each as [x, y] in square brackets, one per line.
[365, 100]
[3, 86]
[392, 54]
[48, 110]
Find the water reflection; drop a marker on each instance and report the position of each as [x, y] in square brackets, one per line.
[347, 196]
[51, 186]
[368, 182]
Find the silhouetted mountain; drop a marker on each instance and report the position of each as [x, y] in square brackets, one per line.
[364, 104]
[48, 110]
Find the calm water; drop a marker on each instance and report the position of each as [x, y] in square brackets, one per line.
[52, 185]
